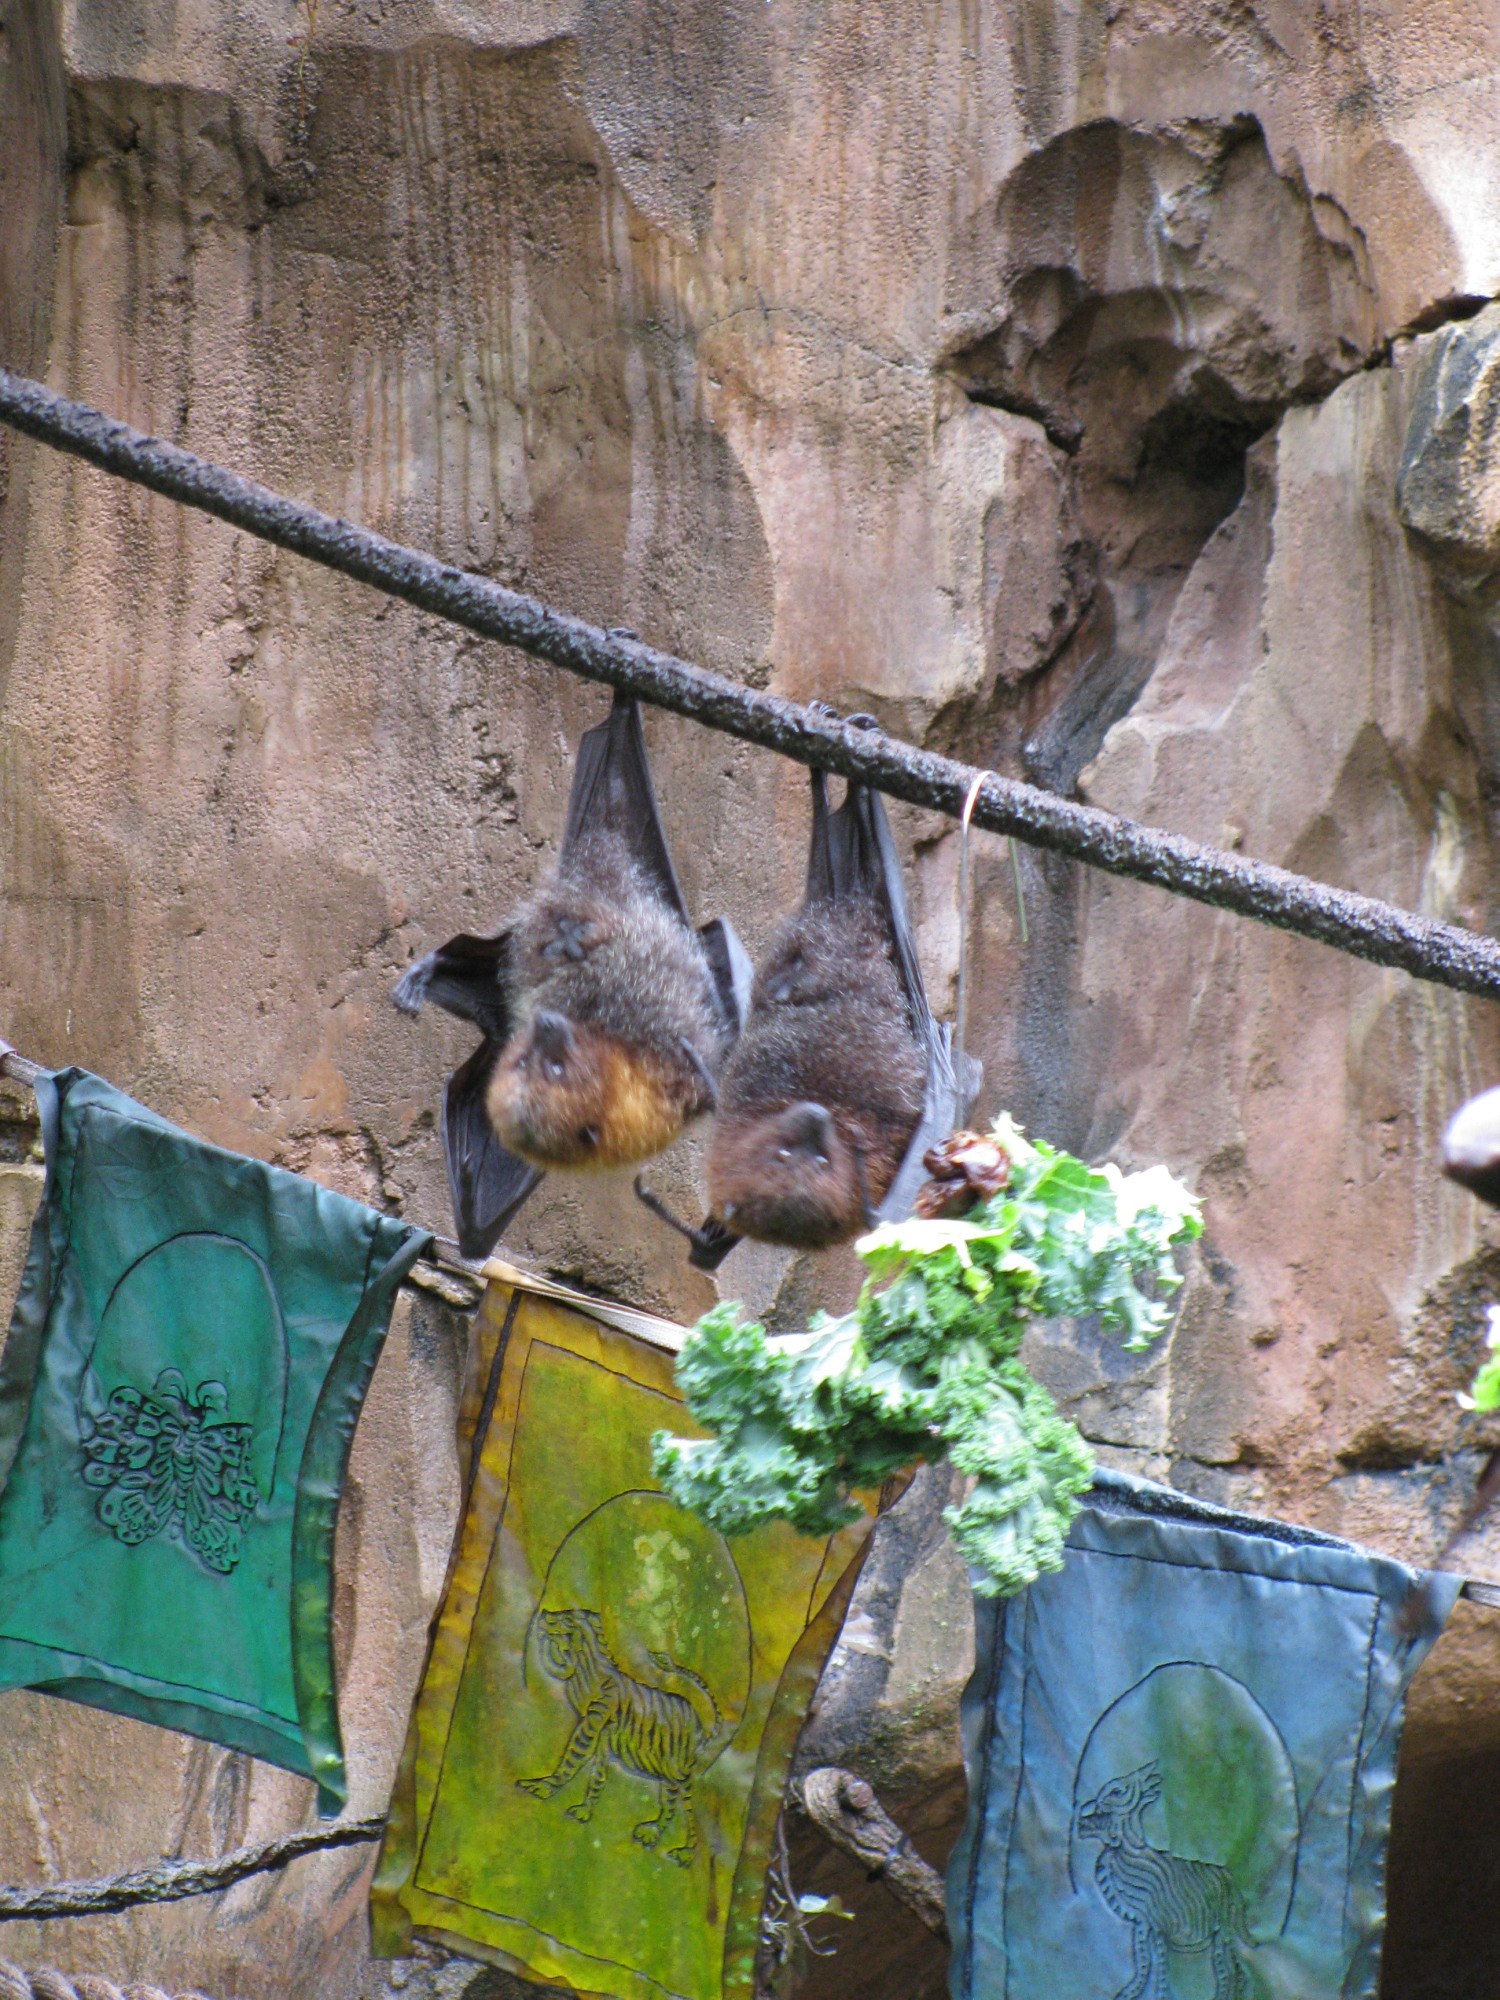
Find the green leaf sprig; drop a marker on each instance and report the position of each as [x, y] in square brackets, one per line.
[926, 1365]
[1484, 1390]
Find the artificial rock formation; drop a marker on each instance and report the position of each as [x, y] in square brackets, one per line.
[1101, 391]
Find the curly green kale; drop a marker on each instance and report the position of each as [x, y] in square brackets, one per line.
[926, 1366]
[1484, 1390]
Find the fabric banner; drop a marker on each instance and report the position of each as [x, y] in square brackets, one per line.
[1181, 1755]
[183, 1373]
[614, 1691]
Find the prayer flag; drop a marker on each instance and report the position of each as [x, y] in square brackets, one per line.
[1181, 1753]
[182, 1377]
[614, 1691]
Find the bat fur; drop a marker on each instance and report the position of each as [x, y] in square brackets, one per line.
[605, 1015]
[618, 1031]
[823, 1091]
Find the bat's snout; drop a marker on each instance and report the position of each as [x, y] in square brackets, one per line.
[565, 1094]
[552, 1042]
[806, 1128]
[787, 1177]
[1471, 1147]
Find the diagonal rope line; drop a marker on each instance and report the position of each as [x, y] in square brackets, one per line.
[172, 1881]
[1363, 926]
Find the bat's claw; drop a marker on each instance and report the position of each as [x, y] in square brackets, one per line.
[710, 1245]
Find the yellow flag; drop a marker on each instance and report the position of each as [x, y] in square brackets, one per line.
[613, 1693]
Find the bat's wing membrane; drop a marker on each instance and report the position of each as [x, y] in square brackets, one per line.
[466, 977]
[488, 1184]
[612, 791]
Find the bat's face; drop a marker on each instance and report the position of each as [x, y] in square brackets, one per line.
[786, 1177]
[565, 1095]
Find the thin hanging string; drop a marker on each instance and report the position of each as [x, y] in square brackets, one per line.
[961, 1010]
[1015, 869]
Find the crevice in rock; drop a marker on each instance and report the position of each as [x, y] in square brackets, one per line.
[1164, 297]
[1449, 310]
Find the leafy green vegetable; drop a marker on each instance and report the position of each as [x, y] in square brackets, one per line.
[926, 1365]
[1484, 1393]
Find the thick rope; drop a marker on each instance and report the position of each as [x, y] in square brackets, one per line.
[1360, 925]
[847, 1813]
[50, 1984]
[171, 1881]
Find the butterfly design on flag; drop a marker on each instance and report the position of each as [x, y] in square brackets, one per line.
[167, 1461]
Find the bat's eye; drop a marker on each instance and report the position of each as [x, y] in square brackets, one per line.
[588, 1135]
[554, 1069]
[822, 1159]
[783, 1152]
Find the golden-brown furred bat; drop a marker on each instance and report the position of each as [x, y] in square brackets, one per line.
[841, 1080]
[1471, 1156]
[1471, 1147]
[606, 1016]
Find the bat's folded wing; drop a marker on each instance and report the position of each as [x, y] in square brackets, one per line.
[488, 1184]
[467, 977]
[733, 972]
[858, 856]
[612, 793]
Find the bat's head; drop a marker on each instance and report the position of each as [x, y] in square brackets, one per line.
[565, 1094]
[786, 1176]
[1471, 1147]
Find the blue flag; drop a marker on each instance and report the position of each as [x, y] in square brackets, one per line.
[1181, 1754]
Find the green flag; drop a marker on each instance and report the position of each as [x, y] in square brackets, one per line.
[184, 1370]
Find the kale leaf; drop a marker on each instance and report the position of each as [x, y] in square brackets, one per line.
[926, 1365]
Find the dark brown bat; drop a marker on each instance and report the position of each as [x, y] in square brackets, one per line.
[841, 1079]
[606, 1016]
[824, 1090]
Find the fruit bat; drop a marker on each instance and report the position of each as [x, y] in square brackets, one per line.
[1471, 1156]
[606, 1016]
[1471, 1147]
[841, 1079]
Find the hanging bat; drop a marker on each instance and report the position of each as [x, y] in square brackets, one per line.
[606, 1016]
[841, 1080]
[1471, 1156]
[1471, 1147]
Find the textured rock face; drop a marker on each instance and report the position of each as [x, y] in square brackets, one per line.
[1093, 390]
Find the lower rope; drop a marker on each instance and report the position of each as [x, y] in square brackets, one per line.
[49, 1984]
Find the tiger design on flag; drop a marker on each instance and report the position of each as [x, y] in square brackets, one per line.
[653, 1732]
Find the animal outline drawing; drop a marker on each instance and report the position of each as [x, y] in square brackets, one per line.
[652, 1732]
[168, 1459]
[1170, 1903]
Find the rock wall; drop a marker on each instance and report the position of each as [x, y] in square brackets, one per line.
[1102, 392]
